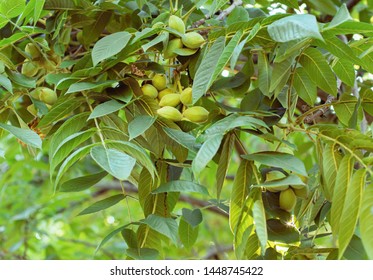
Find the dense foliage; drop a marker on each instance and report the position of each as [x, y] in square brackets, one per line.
[186, 129]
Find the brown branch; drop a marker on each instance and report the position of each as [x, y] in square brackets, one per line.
[222, 15]
[351, 4]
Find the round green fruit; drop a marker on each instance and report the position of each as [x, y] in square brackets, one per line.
[171, 47]
[29, 69]
[172, 100]
[32, 50]
[196, 114]
[149, 90]
[47, 95]
[170, 113]
[159, 81]
[176, 23]
[165, 92]
[193, 40]
[186, 96]
[288, 200]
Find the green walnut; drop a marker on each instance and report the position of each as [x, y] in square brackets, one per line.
[288, 200]
[158, 24]
[170, 113]
[172, 100]
[301, 192]
[149, 90]
[176, 23]
[165, 92]
[29, 69]
[273, 176]
[196, 114]
[32, 50]
[186, 96]
[171, 47]
[47, 95]
[193, 40]
[159, 81]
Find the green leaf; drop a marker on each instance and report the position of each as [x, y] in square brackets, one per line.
[365, 220]
[344, 109]
[82, 183]
[181, 186]
[319, 70]
[109, 236]
[206, 153]
[116, 163]
[278, 231]
[342, 181]
[102, 204]
[70, 160]
[351, 27]
[280, 74]
[192, 217]
[27, 136]
[324, 6]
[68, 145]
[12, 8]
[60, 110]
[260, 220]
[204, 74]
[340, 17]
[290, 3]
[106, 108]
[109, 46]
[83, 86]
[345, 71]
[163, 37]
[142, 253]
[139, 125]
[6, 83]
[339, 49]
[281, 160]
[330, 164]
[304, 86]
[130, 237]
[351, 209]
[294, 27]
[22, 80]
[264, 73]
[184, 139]
[241, 184]
[165, 226]
[188, 234]
[288, 180]
[223, 163]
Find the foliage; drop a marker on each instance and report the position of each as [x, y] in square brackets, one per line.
[264, 143]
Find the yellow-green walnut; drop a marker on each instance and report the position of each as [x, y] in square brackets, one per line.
[186, 96]
[29, 69]
[159, 81]
[32, 50]
[170, 113]
[288, 200]
[47, 95]
[196, 114]
[273, 176]
[193, 40]
[176, 23]
[165, 92]
[172, 100]
[171, 47]
[149, 90]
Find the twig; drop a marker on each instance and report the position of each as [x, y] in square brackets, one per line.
[320, 112]
[222, 15]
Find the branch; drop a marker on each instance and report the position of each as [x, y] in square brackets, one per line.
[222, 15]
[351, 4]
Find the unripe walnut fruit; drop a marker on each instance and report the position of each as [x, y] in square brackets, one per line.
[46, 95]
[159, 81]
[149, 90]
[32, 50]
[192, 40]
[196, 114]
[165, 92]
[29, 69]
[288, 200]
[172, 45]
[176, 23]
[170, 113]
[172, 100]
[186, 96]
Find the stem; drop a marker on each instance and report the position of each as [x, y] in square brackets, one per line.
[99, 131]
